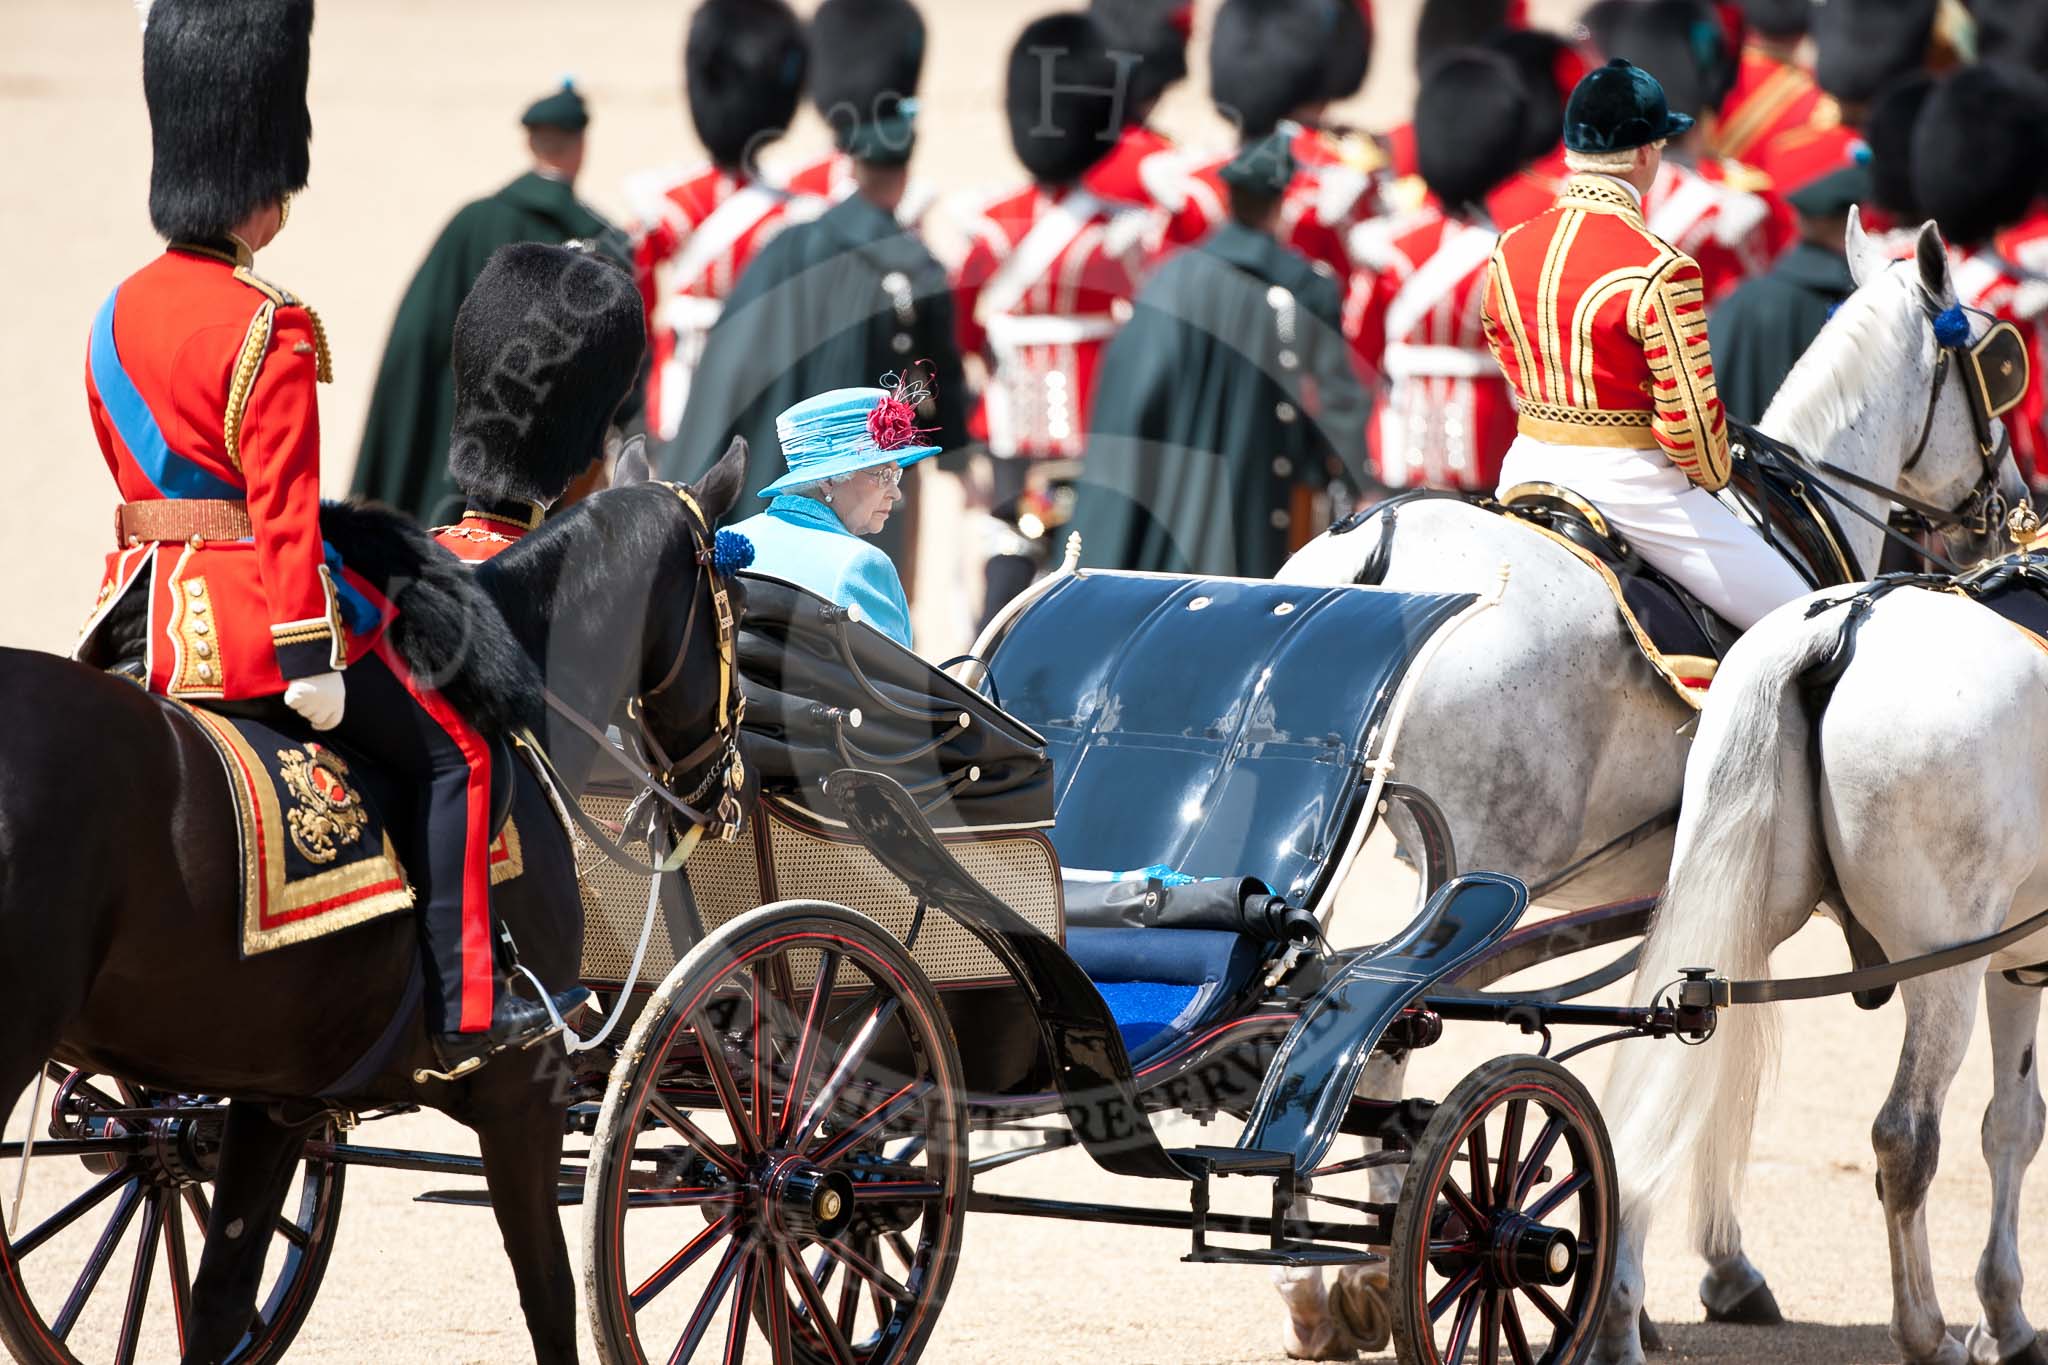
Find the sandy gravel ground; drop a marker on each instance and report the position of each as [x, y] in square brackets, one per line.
[415, 106]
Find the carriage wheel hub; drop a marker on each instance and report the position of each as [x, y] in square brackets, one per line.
[1531, 1253]
[804, 1202]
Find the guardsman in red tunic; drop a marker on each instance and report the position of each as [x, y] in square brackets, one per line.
[1550, 69]
[1275, 63]
[1048, 279]
[1728, 230]
[520, 440]
[1445, 415]
[1860, 48]
[864, 54]
[200, 382]
[1145, 169]
[1773, 95]
[1975, 168]
[1601, 329]
[696, 229]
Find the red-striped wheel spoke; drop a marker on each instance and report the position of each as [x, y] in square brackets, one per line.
[850, 1060]
[1475, 1220]
[138, 1285]
[1453, 1291]
[1461, 1326]
[877, 1278]
[810, 1041]
[707, 1306]
[98, 1194]
[1489, 1327]
[742, 1306]
[868, 1124]
[1532, 1167]
[830, 1332]
[774, 1302]
[705, 1146]
[1480, 1182]
[711, 1044]
[179, 1267]
[1557, 1195]
[96, 1264]
[692, 1251]
[1559, 1319]
[1509, 1171]
[1518, 1340]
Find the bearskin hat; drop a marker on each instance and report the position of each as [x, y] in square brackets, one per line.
[1550, 69]
[1267, 58]
[1778, 18]
[864, 54]
[1446, 24]
[225, 81]
[1065, 105]
[1350, 50]
[547, 346]
[743, 68]
[1469, 121]
[1974, 152]
[1861, 46]
[1680, 42]
[2013, 32]
[1888, 133]
[1153, 31]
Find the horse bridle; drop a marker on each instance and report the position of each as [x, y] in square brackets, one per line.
[650, 767]
[1983, 507]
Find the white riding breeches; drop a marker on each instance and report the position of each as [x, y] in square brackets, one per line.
[1673, 523]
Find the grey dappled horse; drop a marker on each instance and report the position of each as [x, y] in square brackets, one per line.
[1542, 733]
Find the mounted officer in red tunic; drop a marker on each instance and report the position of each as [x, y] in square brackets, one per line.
[525, 432]
[200, 382]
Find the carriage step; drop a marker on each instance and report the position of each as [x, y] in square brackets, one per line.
[1208, 1161]
[1292, 1254]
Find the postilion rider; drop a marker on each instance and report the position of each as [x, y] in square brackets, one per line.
[1601, 328]
[200, 383]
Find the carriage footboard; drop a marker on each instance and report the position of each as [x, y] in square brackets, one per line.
[1302, 1103]
[1089, 1063]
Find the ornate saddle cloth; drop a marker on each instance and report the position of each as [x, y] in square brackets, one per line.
[1680, 636]
[316, 858]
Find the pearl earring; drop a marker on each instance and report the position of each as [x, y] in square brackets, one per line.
[828, 497]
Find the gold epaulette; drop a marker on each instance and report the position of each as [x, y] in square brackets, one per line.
[1743, 176]
[255, 344]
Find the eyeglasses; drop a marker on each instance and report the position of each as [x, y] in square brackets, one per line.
[887, 475]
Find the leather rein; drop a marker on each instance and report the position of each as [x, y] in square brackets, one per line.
[1981, 509]
[649, 766]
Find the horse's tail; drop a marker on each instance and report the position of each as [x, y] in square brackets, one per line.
[1749, 792]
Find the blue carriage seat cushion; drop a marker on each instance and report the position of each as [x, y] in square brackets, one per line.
[1162, 984]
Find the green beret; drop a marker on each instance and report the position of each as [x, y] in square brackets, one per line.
[563, 109]
[1263, 166]
[1833, 194]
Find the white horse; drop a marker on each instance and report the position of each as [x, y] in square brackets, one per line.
[1916, 799]
[1542, 733]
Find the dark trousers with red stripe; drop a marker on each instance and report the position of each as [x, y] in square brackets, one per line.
[444, 766]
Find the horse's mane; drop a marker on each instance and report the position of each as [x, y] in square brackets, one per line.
[1836, 380]
[556, 573]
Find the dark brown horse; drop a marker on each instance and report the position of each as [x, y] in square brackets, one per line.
[118, 938]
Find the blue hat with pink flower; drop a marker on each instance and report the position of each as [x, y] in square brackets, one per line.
[846, 430]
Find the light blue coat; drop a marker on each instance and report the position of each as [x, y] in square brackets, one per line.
[803, 540]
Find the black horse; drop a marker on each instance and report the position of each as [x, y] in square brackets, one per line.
[119, 886]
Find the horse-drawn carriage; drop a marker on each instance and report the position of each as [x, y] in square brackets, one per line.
[961, 928]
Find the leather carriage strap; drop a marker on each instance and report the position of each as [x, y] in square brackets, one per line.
[1762, 992]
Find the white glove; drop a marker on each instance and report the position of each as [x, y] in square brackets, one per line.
[319, 699]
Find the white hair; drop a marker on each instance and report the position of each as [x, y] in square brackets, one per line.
[1604, 163]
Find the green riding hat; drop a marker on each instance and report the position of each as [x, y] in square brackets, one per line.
[1617, 108]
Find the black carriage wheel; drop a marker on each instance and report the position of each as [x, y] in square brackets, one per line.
[120, 1182]
[781, 1159]
[1503, 1240]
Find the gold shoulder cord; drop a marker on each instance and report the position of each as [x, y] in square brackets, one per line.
[255, 343]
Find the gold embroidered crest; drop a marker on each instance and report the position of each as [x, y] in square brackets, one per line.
[329, 815]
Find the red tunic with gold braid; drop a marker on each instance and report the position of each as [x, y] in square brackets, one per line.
[1724, 229]
[1601, 328]
[1445, 417]
[200, 384]
[1770, 100]
[488, 527]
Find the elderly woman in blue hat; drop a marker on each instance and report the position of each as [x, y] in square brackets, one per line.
[846, 451]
